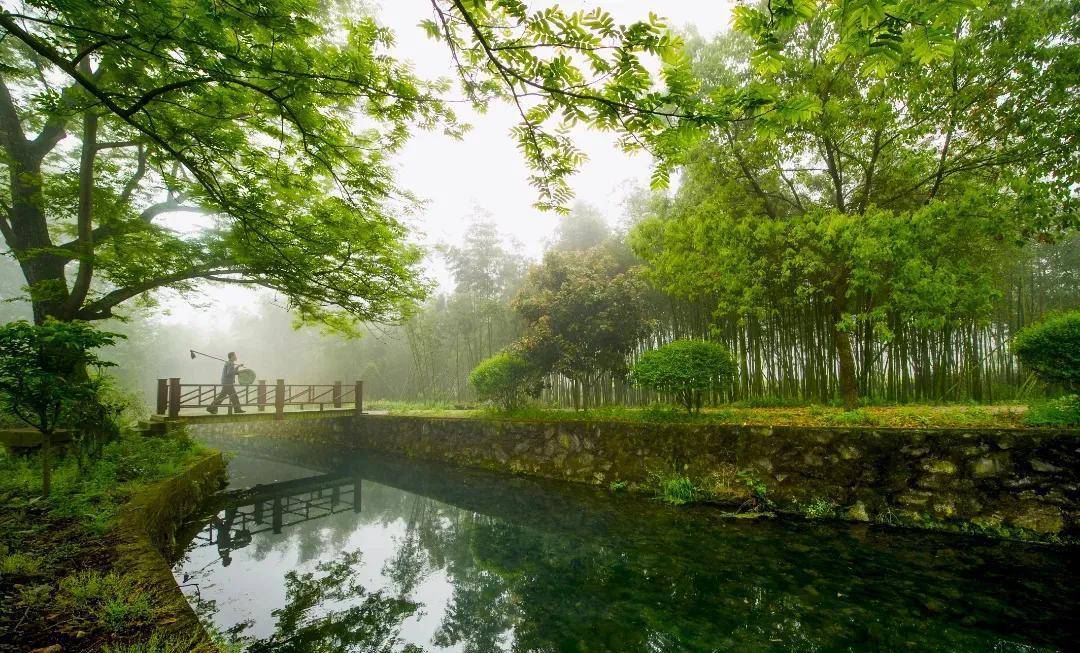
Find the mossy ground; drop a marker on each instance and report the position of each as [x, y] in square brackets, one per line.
[61, 577]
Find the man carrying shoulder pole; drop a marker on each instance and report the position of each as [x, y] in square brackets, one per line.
[228, 386]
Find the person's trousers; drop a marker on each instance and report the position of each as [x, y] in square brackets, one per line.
[228, 391]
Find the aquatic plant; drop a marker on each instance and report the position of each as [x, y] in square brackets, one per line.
[820, 508]
[759, 491]
[675, 489]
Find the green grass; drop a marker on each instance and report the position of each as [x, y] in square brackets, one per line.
[412, 406]
[20, 564]
[907, 416]
[156, 643]
[1063, 411]
[117, 600]
[95, 493]
[61, 552]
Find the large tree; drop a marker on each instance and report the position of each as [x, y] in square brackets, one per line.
[585, 311]
[918, 175]
[275, 117]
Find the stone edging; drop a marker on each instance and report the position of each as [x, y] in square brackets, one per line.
[146, 528]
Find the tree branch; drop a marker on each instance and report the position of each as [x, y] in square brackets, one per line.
[10, 126]
[85, 210]
[106, 145]
[136, 177]
[146, 218]
[101, 308]
[149, 96]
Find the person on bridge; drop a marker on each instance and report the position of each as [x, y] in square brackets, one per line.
[228, 386]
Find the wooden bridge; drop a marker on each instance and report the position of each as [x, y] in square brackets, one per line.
[174, 396]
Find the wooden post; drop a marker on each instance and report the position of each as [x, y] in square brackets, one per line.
[260, 395]
[174, 397]
[162, 396]
[359, 398]
[337, 394]
[279, 399]
[278, 515]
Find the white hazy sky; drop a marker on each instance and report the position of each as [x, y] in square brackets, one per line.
[484, 171]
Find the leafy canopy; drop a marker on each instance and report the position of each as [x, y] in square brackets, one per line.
[277, 119]
[934, 140]
[564, 68]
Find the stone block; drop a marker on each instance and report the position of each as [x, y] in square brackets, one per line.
[1038, 517]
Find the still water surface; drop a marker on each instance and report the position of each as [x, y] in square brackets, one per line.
[382, 554]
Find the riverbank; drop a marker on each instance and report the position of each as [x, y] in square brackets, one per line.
[1001, 482]
[906, 416]
[86, 569]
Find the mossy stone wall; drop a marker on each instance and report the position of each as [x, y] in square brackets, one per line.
[146, 529]
[1006, 481]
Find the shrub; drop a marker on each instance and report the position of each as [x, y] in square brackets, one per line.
[1052, 349]
[43, 375]
[1062, 411]
[685, 369]
[504, 379]
[759, 491]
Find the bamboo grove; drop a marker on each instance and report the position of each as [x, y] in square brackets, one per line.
[783, 357]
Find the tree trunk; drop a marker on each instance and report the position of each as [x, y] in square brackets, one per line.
[43, 271]
[849, 386]
[46, 464]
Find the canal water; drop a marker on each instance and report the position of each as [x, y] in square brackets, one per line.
[309, 552]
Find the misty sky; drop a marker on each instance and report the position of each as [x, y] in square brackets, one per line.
[484, 172]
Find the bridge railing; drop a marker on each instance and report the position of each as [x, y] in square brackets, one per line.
[174, 396]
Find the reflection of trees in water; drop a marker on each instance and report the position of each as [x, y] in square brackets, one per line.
[685, 590]
[560, 572]
[481, 613]
[327, 611]
[409, 564]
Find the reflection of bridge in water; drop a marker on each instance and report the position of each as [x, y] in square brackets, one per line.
[239, 515]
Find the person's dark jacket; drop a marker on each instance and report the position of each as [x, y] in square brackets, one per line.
[229, 372]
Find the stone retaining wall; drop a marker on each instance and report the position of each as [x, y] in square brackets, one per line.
[1013, 482]
[146, 529]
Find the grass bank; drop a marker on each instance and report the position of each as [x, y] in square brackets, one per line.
[63, 581]
[907, 416]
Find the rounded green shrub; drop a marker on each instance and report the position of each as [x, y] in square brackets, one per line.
[1051, 349]
[685, 370]
[503, 379]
